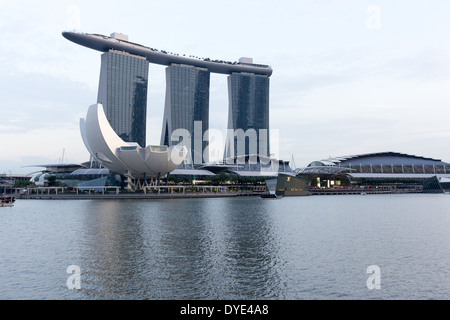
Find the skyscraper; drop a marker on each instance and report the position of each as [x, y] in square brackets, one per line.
[123, 88]
[248, 115]
[123, 94]
[187, 107]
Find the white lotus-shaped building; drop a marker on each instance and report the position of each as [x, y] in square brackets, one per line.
[126, 158]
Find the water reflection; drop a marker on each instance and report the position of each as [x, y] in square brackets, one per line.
[251, 251]
[113, 243]
[235, 248]
[190, 249]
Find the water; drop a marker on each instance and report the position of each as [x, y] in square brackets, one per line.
[316, 247]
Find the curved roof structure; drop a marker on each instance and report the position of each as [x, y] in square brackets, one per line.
[91, 171]
[319, 170]
[380, 158]
[126, 157]
[105, 43]
[58, 167]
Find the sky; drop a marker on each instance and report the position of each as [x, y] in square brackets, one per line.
[349, 76]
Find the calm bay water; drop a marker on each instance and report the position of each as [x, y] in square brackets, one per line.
[316, 247]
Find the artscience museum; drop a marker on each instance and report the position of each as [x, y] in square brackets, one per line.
[140, 166]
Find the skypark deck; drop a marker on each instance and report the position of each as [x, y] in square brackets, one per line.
[104, 44]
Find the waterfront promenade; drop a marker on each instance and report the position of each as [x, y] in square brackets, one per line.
[130, 195]
[151, 192]
[386, 190]
[181, 192]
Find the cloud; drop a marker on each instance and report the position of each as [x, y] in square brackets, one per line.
[337, 86]
[32, 100]
[40, 116]
[426, 64]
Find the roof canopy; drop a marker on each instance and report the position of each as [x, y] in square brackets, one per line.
[380, 158]
[322, 170]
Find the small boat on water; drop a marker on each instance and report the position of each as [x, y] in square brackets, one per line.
[7, 201]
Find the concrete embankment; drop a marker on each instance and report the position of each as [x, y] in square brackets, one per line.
[136, 196]
[48, 194]
[362, 191]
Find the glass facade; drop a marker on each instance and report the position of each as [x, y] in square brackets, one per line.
[123, 94]
[248, 109]
[187, 107]
[292, 186]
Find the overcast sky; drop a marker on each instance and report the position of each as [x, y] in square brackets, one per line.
[350, 76]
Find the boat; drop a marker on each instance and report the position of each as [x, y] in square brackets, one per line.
[7, 201]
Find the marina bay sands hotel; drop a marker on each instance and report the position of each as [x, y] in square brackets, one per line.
[123, 89]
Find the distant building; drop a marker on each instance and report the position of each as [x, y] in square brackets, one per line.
[248, 115]
[123, 88]
[382, 166]
[123, 93]
[7, 181]
[53, 169]
[386, 164]
[252, 166]
[187, 105]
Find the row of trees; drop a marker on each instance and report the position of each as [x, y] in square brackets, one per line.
[23, 184]
[51, 182]
[220, 179]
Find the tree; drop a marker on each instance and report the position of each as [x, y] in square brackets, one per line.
[52, 182]
[220, 178]
[23, 184]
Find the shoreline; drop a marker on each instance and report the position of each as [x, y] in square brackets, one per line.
[128, 196]
[154, 196]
